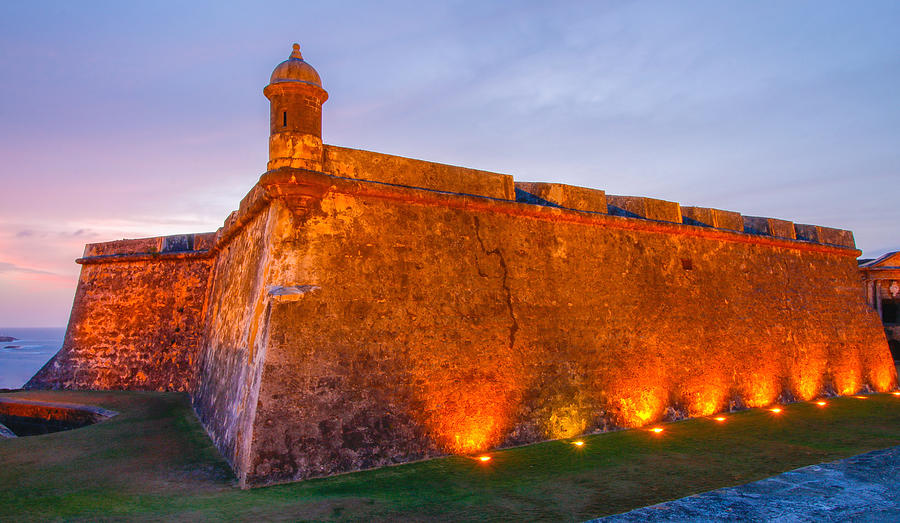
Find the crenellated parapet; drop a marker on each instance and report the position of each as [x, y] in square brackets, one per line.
[197, 243]
[377, 169]
[642, 208]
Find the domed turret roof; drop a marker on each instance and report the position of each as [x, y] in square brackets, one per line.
[295, 69]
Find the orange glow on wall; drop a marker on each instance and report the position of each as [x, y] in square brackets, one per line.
[847, 376]
[705, 395]
[565, 422]
[882, 374]
[640, 405]
[758, 375]
[469, 410]
[806, 375]
[707, 401]
[699, 387]
[761, 390]
[473, 434]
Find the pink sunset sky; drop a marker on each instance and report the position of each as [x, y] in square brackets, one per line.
[132, 119]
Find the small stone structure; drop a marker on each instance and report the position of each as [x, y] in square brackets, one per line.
[881, 278]
[361, 309]
[23, 417]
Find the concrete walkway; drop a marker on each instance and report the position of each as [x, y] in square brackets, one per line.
[861, 488]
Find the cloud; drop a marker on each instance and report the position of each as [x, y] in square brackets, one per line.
[6, 267]
[31, 233]
[32, 277]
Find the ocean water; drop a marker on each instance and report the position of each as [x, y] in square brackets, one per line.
[20, 359]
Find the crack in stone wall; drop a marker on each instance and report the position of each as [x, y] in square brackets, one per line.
[514, 323]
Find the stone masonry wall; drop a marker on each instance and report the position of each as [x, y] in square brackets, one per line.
[136, 324]
[394, 309]
[424, 323]
[228, 371]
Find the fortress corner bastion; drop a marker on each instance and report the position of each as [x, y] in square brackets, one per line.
[360, 309]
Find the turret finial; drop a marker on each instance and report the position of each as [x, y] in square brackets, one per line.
[296, 54]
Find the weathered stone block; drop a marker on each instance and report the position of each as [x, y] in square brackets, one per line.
[204, 241]
[806, 232]
[825, 235]
[132, 246]
[646, 208]
[769, 227]
[708, 217]
[728, 220]
[377, 167]
[561, 195]
[231, 221]
[178, 243]
[782, 228]
[840, 237]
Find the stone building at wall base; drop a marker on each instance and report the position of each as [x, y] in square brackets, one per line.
[361, 309]
[881, 278]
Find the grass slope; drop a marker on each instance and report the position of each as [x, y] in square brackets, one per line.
[154, 462]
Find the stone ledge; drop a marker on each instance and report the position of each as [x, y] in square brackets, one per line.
[709, 217]
[644, 208]
[32, 417]
[14, 404]
[120, 258]
[398, 170]
[561, 195]
[769, 227]
[825, 235]
[178, 243]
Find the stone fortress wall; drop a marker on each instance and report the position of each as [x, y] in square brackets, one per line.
[361, 309]
[137, 317]
[393, 309]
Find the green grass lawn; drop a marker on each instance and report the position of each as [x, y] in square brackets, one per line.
[154, 462]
